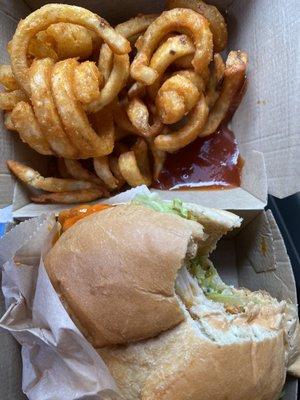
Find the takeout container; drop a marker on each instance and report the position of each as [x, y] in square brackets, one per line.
[265, 125]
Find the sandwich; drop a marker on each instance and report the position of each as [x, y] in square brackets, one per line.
[138, 282]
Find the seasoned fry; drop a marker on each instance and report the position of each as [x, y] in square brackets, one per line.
[74, 119]
[216, 76]
[77, 171]
[179, 20]
[74, 197]
[234, 79]
[132, 27]
[102, 169]
[50, 14]
[38, 48]
[87, 82]
[138, 114]
[34, 179]
[172, 141]
[105, 128]
[114, 167]
[70, 40]
[176, 97]
[45, 109]
[8, 122]
[114, 84]
[167, 53]
[184, 62]
[216, 21]
[28, 128]
[8, 100]
[195, 78]
[134, 165]
[121, 118]
[159, 158]
[7, 78]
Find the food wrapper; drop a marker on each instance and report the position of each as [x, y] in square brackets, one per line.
[58, 362]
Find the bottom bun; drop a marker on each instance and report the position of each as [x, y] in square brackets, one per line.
[185, 363]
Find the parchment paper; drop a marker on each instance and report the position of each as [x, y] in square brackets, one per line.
[58, 362]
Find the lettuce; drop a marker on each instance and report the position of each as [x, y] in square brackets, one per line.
[214, 288]
[156, 203]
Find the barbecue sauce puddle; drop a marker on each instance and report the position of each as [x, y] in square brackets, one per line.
[213, 162]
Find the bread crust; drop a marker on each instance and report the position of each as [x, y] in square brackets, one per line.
[185, 364]
[115, 272]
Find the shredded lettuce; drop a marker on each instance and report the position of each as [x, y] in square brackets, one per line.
[214, 288]
[156, 203]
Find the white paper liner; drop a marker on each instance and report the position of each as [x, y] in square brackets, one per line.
[58, 362]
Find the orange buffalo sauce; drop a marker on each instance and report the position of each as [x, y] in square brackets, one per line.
[67, 218]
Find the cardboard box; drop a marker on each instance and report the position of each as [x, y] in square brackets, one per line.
[266, 126]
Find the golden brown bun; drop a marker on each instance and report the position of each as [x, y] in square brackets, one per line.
[184, 363]
[115, 272]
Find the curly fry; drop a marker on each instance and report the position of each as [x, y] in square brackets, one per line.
[105, 128]
[34, 179]
[102, 169]
[176, 97]
[77, 171]
[7, 78]
[113, 85]
[172, 141]
[195, 78]
[39, 49]
[45, 109]
[216, 76]
[87, 82]
[216, 21]
[74, 119]
[134, 165]
[121, 118]
[234, 79]
[70, 40]
[74, 197]
[167, 53]
[50, 14]
[159, 158]
[114, 167]
[25, 123]
[179, 20]
[139, 116]
[8, 100]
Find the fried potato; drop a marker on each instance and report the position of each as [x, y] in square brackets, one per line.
[74, 197]
[176, 97]
[172, 141]
[138, 115]
[7, 78]
[88, 81]
[134, 165]
[234, 78]
[216, 20]
[34, 179]
[8, 100]
[45, 109]
[26, 124]
[50, 14]
[176, 20]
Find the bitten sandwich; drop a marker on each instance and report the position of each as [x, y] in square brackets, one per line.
[137, 281]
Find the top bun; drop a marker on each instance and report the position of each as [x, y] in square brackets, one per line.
[115, 270]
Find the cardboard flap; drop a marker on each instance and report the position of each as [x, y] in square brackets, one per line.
[268, 118]
[262, 260]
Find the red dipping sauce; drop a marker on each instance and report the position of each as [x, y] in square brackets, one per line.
[213, 162]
